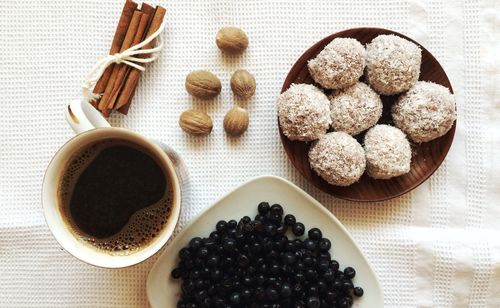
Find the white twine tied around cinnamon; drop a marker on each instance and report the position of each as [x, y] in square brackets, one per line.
[126, 57]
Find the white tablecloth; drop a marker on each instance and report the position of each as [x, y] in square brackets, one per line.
[436, 246]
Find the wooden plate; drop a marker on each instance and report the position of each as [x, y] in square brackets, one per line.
[426, 156]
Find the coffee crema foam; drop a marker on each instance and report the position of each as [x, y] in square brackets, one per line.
[142, 227]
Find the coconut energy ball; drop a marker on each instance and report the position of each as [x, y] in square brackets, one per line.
[392, 64]
[355, 109]
[338, 158]
[303, 112]
[425, 112]
[388, 152]
[339, 64]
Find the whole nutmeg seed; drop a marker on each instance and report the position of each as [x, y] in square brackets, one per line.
[203, 84]
[243, 84]
[231, 40]
[236, 121]
[195, 122]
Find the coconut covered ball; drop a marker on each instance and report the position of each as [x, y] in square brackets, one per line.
[425, 112]
[339, 64]
[338, 158]
[355, 109]
[388, 152]
[392, 64]
[303, 112]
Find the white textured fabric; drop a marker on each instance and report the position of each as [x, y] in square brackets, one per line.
[435, 247]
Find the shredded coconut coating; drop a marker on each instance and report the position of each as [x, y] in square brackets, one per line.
[392, 64]
[303, 112]
[388, 152]
[338, 158]
[355, 109]
[339, 64]
[425, 112]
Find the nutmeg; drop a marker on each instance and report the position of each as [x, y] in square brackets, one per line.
[231, 40]
[236, 121]
[203, 84]
[243, 84]
[195, 122]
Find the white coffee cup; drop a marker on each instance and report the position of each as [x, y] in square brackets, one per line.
[90, 127]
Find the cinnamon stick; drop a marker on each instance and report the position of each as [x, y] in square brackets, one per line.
[127, 42]
[121, 30]
[125, 97]
[124, 70]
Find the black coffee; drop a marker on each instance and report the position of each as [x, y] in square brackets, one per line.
[115, 195]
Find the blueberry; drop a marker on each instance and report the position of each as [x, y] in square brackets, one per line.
[202, 252]
[271, 294]
[328, 275]
[286, 290]
[246, 293]
[254, 264]
[229, 245]
[349, 272]
[313, 290]
[200, 296]
[232, 224]
[290, 246]
[315, 234]
[235, 298]
[300, 277]
[199, 284]
[214, 236]
[245, 220]
[194, 274]
[313, 302]
[323, 265]
[322, 287]
[243, 261]
[195, 243]
[271, 230]
[263, 208]
[346, 302]
[324, 255]
[260, 279]
[308, 261]
[281, 229]
[221, 226]
[334, 265]
[277, 209]
[275, 218]
[289, 220]
[299, 304]
[298, 229]
[176, 273]
[290, 258]
[216, 275]
[358, 291]
[247, 228]
[311, 274]
[347, 286]
[184, 253]
[337, 285]
[309, 244]
[324, 244]
[260, 293]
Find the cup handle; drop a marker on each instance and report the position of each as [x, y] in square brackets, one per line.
[82, 116]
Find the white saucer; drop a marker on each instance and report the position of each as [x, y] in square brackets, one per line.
[163, 291]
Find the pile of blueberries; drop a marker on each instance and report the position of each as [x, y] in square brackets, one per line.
[252, 263]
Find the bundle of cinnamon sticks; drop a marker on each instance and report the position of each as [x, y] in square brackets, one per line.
[119, 81]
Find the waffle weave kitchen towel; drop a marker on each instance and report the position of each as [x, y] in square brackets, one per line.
[437, 246]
